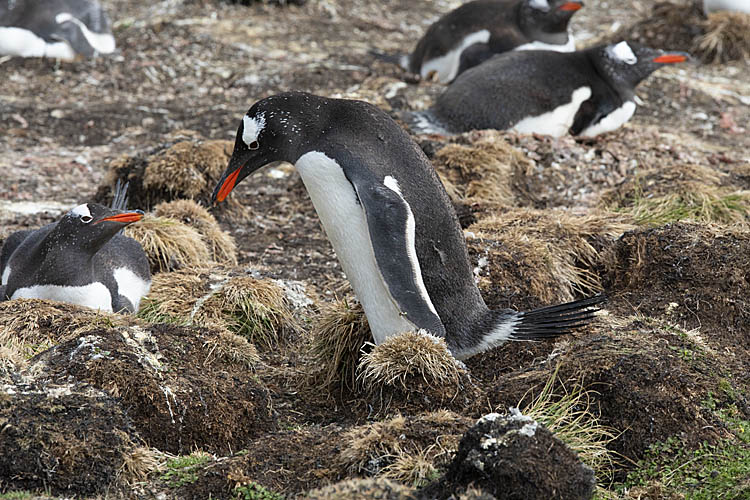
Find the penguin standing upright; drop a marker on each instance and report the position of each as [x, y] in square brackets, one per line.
[585, 93]
[54, 28]
[80, 259]
[477, 30]
[389, 220]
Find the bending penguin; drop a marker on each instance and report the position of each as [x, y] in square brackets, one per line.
[477, 30]
[80, 259]
[389, 220]
[585, 93]
[54, 28]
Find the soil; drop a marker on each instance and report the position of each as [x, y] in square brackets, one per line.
[674, 333]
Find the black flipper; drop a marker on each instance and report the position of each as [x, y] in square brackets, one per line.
[553, 321]
[10, 245]
[401, 60]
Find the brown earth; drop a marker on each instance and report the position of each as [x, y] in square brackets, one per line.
[546, 220]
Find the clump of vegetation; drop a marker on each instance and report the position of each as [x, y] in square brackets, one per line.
[254, 491]
[168, 243]
[141, 462]
[339, 334]
[183, 470]
[726, 37]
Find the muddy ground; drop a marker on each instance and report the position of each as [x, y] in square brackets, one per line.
[654, 214]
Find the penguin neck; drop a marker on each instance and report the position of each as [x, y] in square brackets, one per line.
[619, 86]
[62, 260]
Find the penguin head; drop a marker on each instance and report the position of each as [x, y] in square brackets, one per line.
[273, 130]
[626, 64]
[91, 225]
[549, 16]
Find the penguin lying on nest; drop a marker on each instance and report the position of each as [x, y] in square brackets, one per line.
[54, 28]
[477, 30]
[389, 220]
[585, 93]
[81, 259]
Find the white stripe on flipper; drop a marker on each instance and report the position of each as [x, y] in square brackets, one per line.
[6, 275]
[411, 251]
[446, 66]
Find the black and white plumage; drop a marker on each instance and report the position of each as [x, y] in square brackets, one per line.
[80, 259]
[54, 28]
[477, 30]
[389, 220]
[585, 93]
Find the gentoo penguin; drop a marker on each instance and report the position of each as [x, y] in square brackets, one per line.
[389, 219]
[586, 93]
[489, 27]
[79, 259]
[730, 5]
[54, 28]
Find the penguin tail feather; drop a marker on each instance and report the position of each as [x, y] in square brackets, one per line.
[397, 59]
[553, 321]
[120, 198]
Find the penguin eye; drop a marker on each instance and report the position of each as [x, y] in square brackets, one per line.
[86, 219]
[253, 145]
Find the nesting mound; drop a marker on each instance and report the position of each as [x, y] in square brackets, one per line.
[514, 457]
[339, 335]
[186, 395]
[186, 169]
[362, 489]
[726, 38]
[256, 309]
[690, 274]
[676, 192]
[528, 258]
[168, 243]
[30, 326]
[410, 450]
[67, 439]
[220, 244]
[414, 369]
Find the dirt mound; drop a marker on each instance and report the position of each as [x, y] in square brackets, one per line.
[514, 457]
[179, 169]
[694, 275]
[66, 439]
[187, 395]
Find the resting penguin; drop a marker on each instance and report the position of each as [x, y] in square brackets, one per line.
[54, 28]
[489, 27]
[79, 259]
[389, 220]
[585, 93]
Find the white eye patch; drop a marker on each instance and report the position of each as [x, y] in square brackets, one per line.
[81, 211]
[539, 4]
[251, 127]
[622, 52]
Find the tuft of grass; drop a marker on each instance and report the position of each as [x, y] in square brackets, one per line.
[17, 495]
[407, 355]
[141, 462]
[234, 349]
[569, 416]
[183, 470]
[726, 37]
[254, 491]
[709, 205]
[168, 243]
[339, 334]
[415, 469]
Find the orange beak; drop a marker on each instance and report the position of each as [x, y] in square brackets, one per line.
[228, 185]
[570, 6]
[125, 218]
[670, 58]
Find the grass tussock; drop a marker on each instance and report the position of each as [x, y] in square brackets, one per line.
[406, 356]
[562, 247]
[220, 244]
[234, 349]
[726, 38]
[414, 469]
[256, 309]
[141, 463]
[361, 489]
[30, 326]
[339, 334]
[168, 243]
[570, 417]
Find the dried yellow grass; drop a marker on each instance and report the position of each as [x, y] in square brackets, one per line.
[726, 38]
[339, 333]
[412, 468]
[142, 462]
[362, 489]
[234, 349]
[220, 244]
[406, 355]
[168, 243]
[187, 169]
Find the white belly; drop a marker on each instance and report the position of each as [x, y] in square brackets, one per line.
[24, 43]
[343, 219]
[94, 295]
[612, 121]
[556, 122]
[103, 43]
[569, 46]
[131, 286]
[732, 5]
[446, 66]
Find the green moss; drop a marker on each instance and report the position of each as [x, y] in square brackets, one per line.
[151, 312]
[16, 495]
[254, 491]
[703, 207]
[184, 470]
